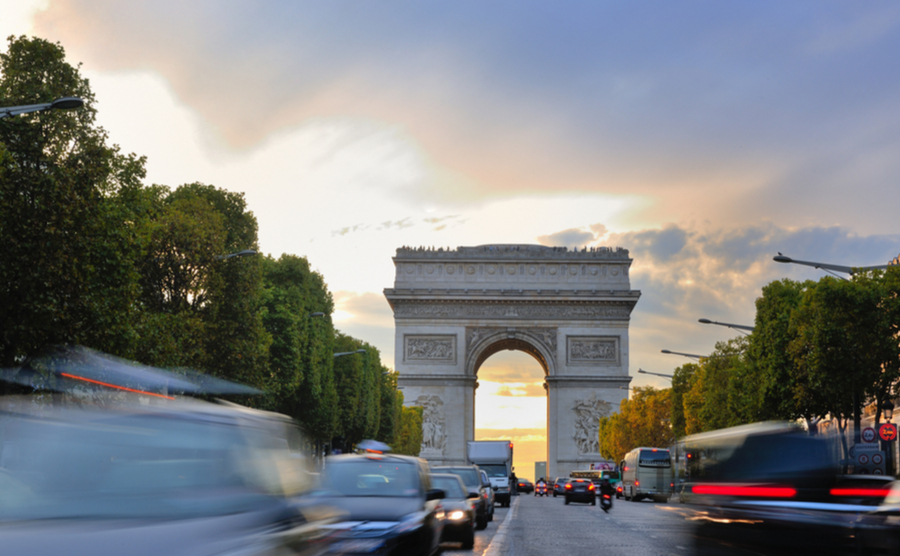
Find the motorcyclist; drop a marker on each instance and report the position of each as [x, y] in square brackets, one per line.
[606, 489]
[540, 483]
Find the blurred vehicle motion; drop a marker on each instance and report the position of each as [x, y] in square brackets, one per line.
[524, 486]
[178, 476]
[458, 510]
[770, 488]
[471, 477]
[580, 490]
[487, 493]
[388, 502]
[559, 486]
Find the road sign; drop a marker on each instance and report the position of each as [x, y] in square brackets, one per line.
[868, 434]
[877, 459]
[877, 471]
[859, 448]
[863, 459]
[888, 432]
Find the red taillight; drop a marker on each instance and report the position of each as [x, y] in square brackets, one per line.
[874, 492]
[738, 490]
[591, 486]
[568, 485]
[637, 483]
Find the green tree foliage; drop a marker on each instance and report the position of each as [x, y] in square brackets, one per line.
[358, 378]
[301, 362]
[66, 267]
[409, 434]
[643, 420]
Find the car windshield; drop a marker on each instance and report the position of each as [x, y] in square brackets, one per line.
[112, 465]
[468, 475]
[495, 470]
[371, 477]
[450, 486]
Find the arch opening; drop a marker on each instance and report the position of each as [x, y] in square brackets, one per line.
[511, 404]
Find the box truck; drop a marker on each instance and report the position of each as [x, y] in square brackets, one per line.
[495, 457]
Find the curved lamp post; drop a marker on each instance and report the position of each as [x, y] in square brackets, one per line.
[827, 267]
[642, 371]
[244, 253]
[65, 103]
[690, 355]
[742, 328]
[342, 353]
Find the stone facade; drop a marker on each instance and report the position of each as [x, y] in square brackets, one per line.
[568, 309]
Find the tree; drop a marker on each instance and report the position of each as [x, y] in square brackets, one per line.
[67, 264]
[409, 433]
[644, 420]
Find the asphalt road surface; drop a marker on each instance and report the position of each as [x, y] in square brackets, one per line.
[547, 527]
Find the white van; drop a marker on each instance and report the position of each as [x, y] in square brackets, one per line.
[647, 474]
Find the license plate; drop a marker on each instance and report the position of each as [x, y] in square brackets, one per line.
[355, 546]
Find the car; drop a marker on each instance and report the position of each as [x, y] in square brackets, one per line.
[471, 477]
[487, 493]
[772, 488]
[457, 509]
[174, 476]
[559, 486]
[580, 490]
[524, 486]
[389, 505]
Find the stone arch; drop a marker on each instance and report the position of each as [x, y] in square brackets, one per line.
[496, 340]
[569, 310]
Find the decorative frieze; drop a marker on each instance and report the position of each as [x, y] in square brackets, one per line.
[430, 348]
[409, 308]
[587, 423]
[507, 252]
[434, 433]
[592, 350]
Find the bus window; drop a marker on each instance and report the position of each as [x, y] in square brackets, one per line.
[654, 458]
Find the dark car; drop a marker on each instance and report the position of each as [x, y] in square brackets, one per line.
[559, 486]
[471, 477]
[389, 504]
[457, 509]
[773, 489]
[580, 490]
[175, 477]
[524, 486]
[487, 493]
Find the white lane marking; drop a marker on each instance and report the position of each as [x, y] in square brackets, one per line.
[499, 540]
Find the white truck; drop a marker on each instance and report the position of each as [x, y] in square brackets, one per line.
[495, 457]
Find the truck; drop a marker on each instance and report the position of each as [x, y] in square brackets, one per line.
[495, 457]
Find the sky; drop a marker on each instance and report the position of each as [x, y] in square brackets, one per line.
[703, 136]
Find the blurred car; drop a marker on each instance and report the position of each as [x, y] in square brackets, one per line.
[389, 503]
[773, 489]
[458, 509]
[580, 490]
[178, 477]
[471, 477]
[487, 493]
[878, 531]
[524, 486]
[559, 486]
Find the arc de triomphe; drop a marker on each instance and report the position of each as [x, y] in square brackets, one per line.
[568, 309]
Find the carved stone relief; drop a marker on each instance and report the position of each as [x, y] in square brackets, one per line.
[544, 335]
[457, 310]
[430, 348]
[434, 434]
[587, 423]
[592, 350]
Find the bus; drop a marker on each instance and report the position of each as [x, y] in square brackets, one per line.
[647, 473]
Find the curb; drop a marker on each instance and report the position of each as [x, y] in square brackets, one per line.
[498, 543]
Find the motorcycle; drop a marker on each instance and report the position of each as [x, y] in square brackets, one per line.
[606, 502]
[540, 490]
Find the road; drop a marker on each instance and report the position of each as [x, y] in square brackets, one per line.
[547, 527]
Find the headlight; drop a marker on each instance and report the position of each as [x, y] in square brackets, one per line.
[457, 515]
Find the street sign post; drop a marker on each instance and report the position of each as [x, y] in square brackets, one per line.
[868, 435]
[888, 432]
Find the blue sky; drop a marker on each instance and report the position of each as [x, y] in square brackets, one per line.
[703, 136]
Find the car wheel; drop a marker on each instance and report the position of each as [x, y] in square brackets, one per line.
[468, 542]
[567, 500]
[481, 523]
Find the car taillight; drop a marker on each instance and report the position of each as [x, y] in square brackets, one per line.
[864, 492]
[745, 490]
[637, 483]
[591, 486]
[568, 486]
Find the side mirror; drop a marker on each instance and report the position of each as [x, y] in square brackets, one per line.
[434, 494]
[473, 495]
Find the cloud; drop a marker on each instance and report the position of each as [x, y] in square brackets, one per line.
[533, 389]
[572, 238]
[721, 112]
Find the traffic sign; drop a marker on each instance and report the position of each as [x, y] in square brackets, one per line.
[877, 471]
[888, 432]
[868, 434]
[859, 448]
[863, 459]
[877, 458]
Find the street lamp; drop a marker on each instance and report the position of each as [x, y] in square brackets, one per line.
[64, 103]
[341, 353]
[642, 371]
[742, 328]
[888, 409]
[829, 268]
[690, 355]
[244, 253]
[317, 314]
